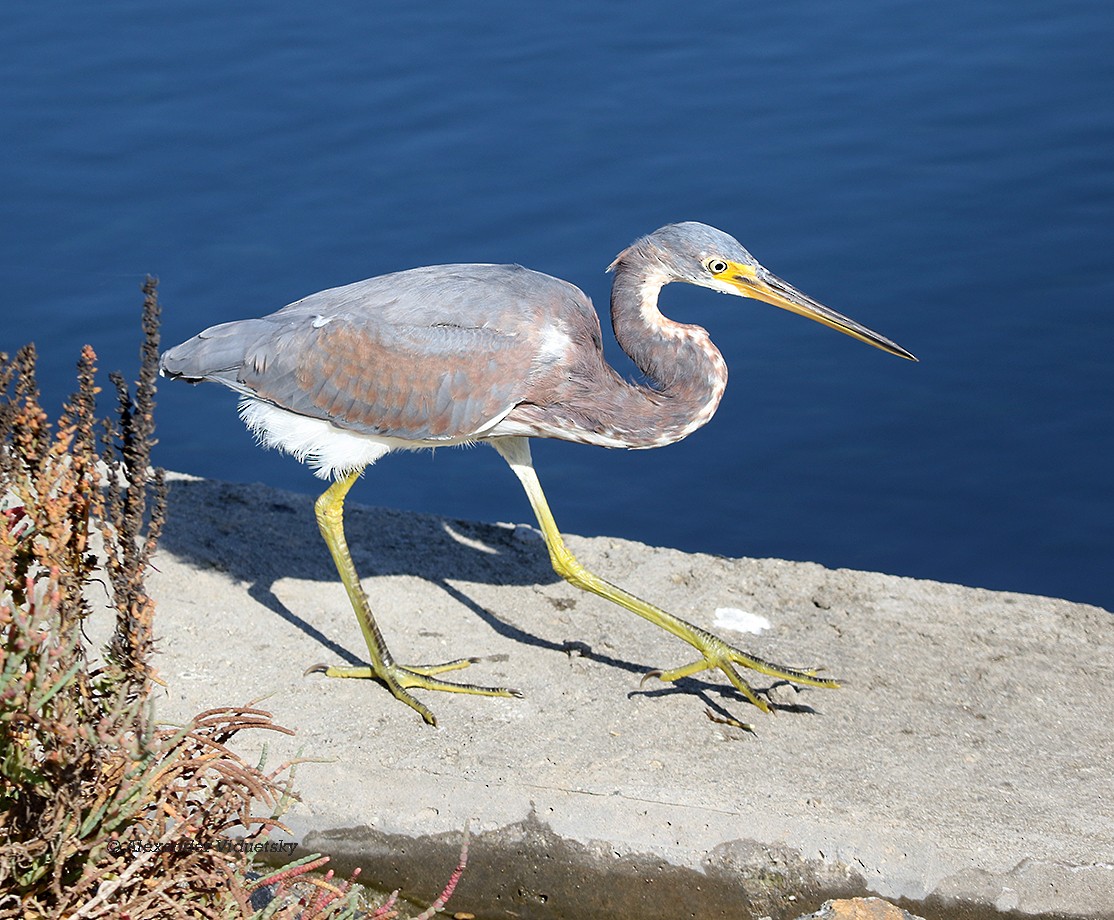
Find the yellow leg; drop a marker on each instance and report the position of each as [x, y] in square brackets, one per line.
[716, 654]
[398, 678]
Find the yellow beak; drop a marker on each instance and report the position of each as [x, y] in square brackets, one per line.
[756, 282]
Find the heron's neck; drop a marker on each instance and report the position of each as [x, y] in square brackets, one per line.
[685, 373]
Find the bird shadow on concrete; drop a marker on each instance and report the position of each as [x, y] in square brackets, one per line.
[725, 693]
[258, 535]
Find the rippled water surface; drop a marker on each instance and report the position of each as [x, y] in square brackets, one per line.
[941, 172]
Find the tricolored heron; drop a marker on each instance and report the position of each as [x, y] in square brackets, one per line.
[453, 354]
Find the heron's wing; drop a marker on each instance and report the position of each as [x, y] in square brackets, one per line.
[436, 353]
[418, 383]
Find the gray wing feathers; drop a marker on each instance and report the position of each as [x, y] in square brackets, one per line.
[439, 383]
[434, 353]
[216, 354]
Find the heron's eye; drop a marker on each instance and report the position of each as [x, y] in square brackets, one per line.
[716, 266]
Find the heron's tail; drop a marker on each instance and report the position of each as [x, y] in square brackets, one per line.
[217, 354]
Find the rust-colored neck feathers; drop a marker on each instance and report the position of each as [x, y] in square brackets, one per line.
[685, 373]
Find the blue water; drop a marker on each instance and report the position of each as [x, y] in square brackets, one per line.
[942, 172]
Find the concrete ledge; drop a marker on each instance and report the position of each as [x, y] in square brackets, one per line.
[966, 765]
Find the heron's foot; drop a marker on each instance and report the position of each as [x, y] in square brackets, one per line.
[401, 678]
[718, 655]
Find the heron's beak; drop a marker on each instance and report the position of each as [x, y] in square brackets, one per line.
[756, 282]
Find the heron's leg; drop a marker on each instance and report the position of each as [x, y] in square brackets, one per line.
[398, 678]
[716, 654]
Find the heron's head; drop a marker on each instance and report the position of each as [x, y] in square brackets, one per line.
[698, 254]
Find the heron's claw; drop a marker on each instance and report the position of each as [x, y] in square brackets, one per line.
[729, 720]
[400, 678]
[718, 655]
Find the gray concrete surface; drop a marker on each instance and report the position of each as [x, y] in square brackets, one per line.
[965, 765]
